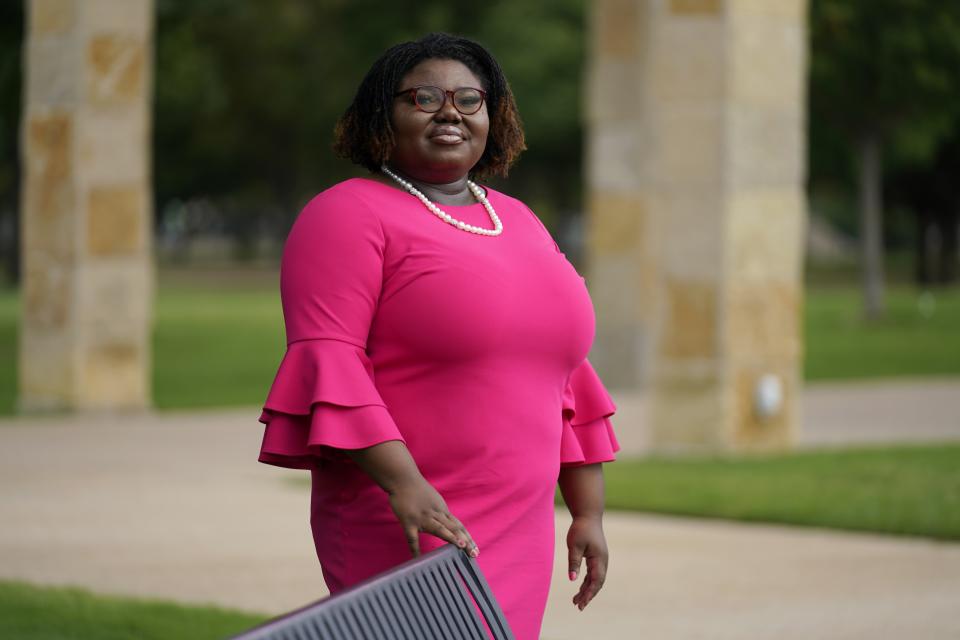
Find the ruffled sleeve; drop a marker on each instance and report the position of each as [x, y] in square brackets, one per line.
[324, 397]
[588, 435]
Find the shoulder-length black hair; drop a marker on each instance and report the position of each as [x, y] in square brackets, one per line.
[364, 133]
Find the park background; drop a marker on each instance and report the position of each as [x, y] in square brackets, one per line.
[244, 101]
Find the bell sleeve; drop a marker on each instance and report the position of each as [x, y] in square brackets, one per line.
[324, 395]
[588, 435]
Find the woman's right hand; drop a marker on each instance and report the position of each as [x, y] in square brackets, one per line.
[417, 505]
[420, 508]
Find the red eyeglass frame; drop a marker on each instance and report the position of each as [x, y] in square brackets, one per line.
[412, 92]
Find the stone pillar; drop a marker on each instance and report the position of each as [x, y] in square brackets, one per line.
[696, 159]
[87, 221]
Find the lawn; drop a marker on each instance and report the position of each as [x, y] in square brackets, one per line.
[901, 490]
[217, 341]
[219, 337]
[918, 336]
[9, 310]
[46, 613]
[217, 349]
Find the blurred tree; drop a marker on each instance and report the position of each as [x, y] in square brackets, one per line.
[11, 43]
[932, 191]
[883, 72]
[247, 95]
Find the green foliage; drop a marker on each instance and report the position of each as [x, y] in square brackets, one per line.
[11, 52]
[48, 613]
[904, 490]
[885, 67]
[879, 63]
[11, 36]
[247, 94]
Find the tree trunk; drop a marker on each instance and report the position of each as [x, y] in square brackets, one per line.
[871, 225]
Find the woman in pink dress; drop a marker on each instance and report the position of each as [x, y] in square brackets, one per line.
[435, 382]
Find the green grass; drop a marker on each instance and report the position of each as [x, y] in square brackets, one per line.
[46, 613]
[9, 316]
[215, 349]
[215, 344]
[903, 490]
[219, 337]
[918, 336]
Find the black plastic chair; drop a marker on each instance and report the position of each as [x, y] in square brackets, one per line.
[428, 598]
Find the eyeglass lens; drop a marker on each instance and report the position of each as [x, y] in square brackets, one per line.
[466, 100]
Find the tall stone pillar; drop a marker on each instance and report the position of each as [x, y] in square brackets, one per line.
[86, 223]
[696, 114]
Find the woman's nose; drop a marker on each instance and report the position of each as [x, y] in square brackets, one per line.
[448, 112]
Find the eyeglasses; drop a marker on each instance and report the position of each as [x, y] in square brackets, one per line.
[466, 100]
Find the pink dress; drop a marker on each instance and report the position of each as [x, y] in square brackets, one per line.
[471, 349]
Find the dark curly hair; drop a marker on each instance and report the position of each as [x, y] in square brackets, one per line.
[365, 135]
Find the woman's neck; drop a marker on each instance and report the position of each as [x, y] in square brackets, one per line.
[453, 193]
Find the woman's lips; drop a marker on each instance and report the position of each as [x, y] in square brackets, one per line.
[446, 135]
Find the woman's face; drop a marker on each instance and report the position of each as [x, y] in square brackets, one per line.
[439, 147]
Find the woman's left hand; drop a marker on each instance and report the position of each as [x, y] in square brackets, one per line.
[585, 541]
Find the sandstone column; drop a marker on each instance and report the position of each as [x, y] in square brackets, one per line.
[86, 230]
[696, 139]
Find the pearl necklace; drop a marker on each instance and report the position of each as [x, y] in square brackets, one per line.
[460, 224]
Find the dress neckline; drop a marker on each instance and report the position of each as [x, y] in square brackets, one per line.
[403, 192]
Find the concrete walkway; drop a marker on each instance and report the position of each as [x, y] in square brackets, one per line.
[175, 506]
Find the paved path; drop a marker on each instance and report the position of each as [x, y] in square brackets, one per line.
[842, 413]
[175, 506]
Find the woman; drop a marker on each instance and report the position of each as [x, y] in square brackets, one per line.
[435, 381]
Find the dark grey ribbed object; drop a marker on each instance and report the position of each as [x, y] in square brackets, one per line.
[427, 598]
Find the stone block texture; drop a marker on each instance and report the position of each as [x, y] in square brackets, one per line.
[695, 153]
[88, 279]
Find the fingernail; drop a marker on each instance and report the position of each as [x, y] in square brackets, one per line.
[475, 552]
[573, 576]
[461, 544]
